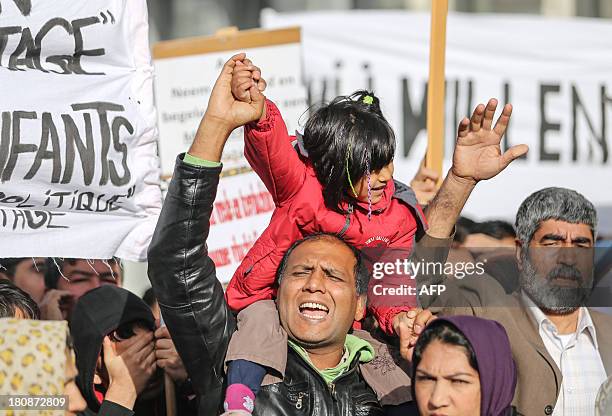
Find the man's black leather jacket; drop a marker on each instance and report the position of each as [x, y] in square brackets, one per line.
[194, 309]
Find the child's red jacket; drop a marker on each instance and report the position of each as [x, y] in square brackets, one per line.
[301, 211]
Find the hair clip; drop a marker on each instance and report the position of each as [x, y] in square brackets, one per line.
[368, 99]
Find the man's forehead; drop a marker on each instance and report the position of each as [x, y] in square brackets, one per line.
[323, 248]
[563, 228]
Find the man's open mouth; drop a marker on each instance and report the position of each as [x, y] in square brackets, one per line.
[314, 310]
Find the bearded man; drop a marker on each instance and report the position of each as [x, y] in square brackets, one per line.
[563, 350]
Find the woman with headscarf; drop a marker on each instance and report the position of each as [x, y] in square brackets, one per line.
[462, 365]
[36, 358]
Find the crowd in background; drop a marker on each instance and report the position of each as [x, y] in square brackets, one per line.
[103, 316]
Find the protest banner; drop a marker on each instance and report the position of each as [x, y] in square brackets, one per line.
[185, 73]
[79, 174]
[555, 72]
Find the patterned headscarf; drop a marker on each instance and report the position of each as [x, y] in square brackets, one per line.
[32, 359]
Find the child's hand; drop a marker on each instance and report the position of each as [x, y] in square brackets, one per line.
[224, 112]
[245, 76]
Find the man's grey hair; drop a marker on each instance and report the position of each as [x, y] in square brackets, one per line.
[553, 204]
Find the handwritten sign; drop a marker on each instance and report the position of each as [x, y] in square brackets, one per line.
[79, 173]
[186, 70]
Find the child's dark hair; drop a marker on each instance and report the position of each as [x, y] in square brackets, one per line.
[348, 128]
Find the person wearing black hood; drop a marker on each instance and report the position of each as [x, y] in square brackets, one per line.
[114, 343]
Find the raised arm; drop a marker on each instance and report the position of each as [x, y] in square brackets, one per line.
[184, 278]
[182, 274]
[477, 157]
[267, 144]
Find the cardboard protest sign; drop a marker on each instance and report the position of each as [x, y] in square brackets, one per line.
[185, 73]
[79, 173]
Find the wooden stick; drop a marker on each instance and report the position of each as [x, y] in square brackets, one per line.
[170, 393]
[227, 39]
[435, 89]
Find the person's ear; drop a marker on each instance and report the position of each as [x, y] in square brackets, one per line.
[361, 307]
[517, 254]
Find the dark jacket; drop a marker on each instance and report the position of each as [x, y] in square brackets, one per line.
[108, 409]
[193, 305]
[303, 391]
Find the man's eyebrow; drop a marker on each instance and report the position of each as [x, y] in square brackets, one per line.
[332, 271]
[553, 237]
[557, 237]
[582, 240]
[304, 266]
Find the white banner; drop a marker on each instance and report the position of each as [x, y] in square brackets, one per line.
[79, 173]
[556, 72]
[243, 206]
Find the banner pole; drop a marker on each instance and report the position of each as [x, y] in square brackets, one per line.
[435, 88]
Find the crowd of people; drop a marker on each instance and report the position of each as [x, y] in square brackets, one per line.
[299, 329]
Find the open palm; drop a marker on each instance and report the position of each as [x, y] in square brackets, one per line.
[478, 155]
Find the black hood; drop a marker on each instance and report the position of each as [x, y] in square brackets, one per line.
[98, 313]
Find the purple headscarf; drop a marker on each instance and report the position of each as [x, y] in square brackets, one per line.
[495, 364]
